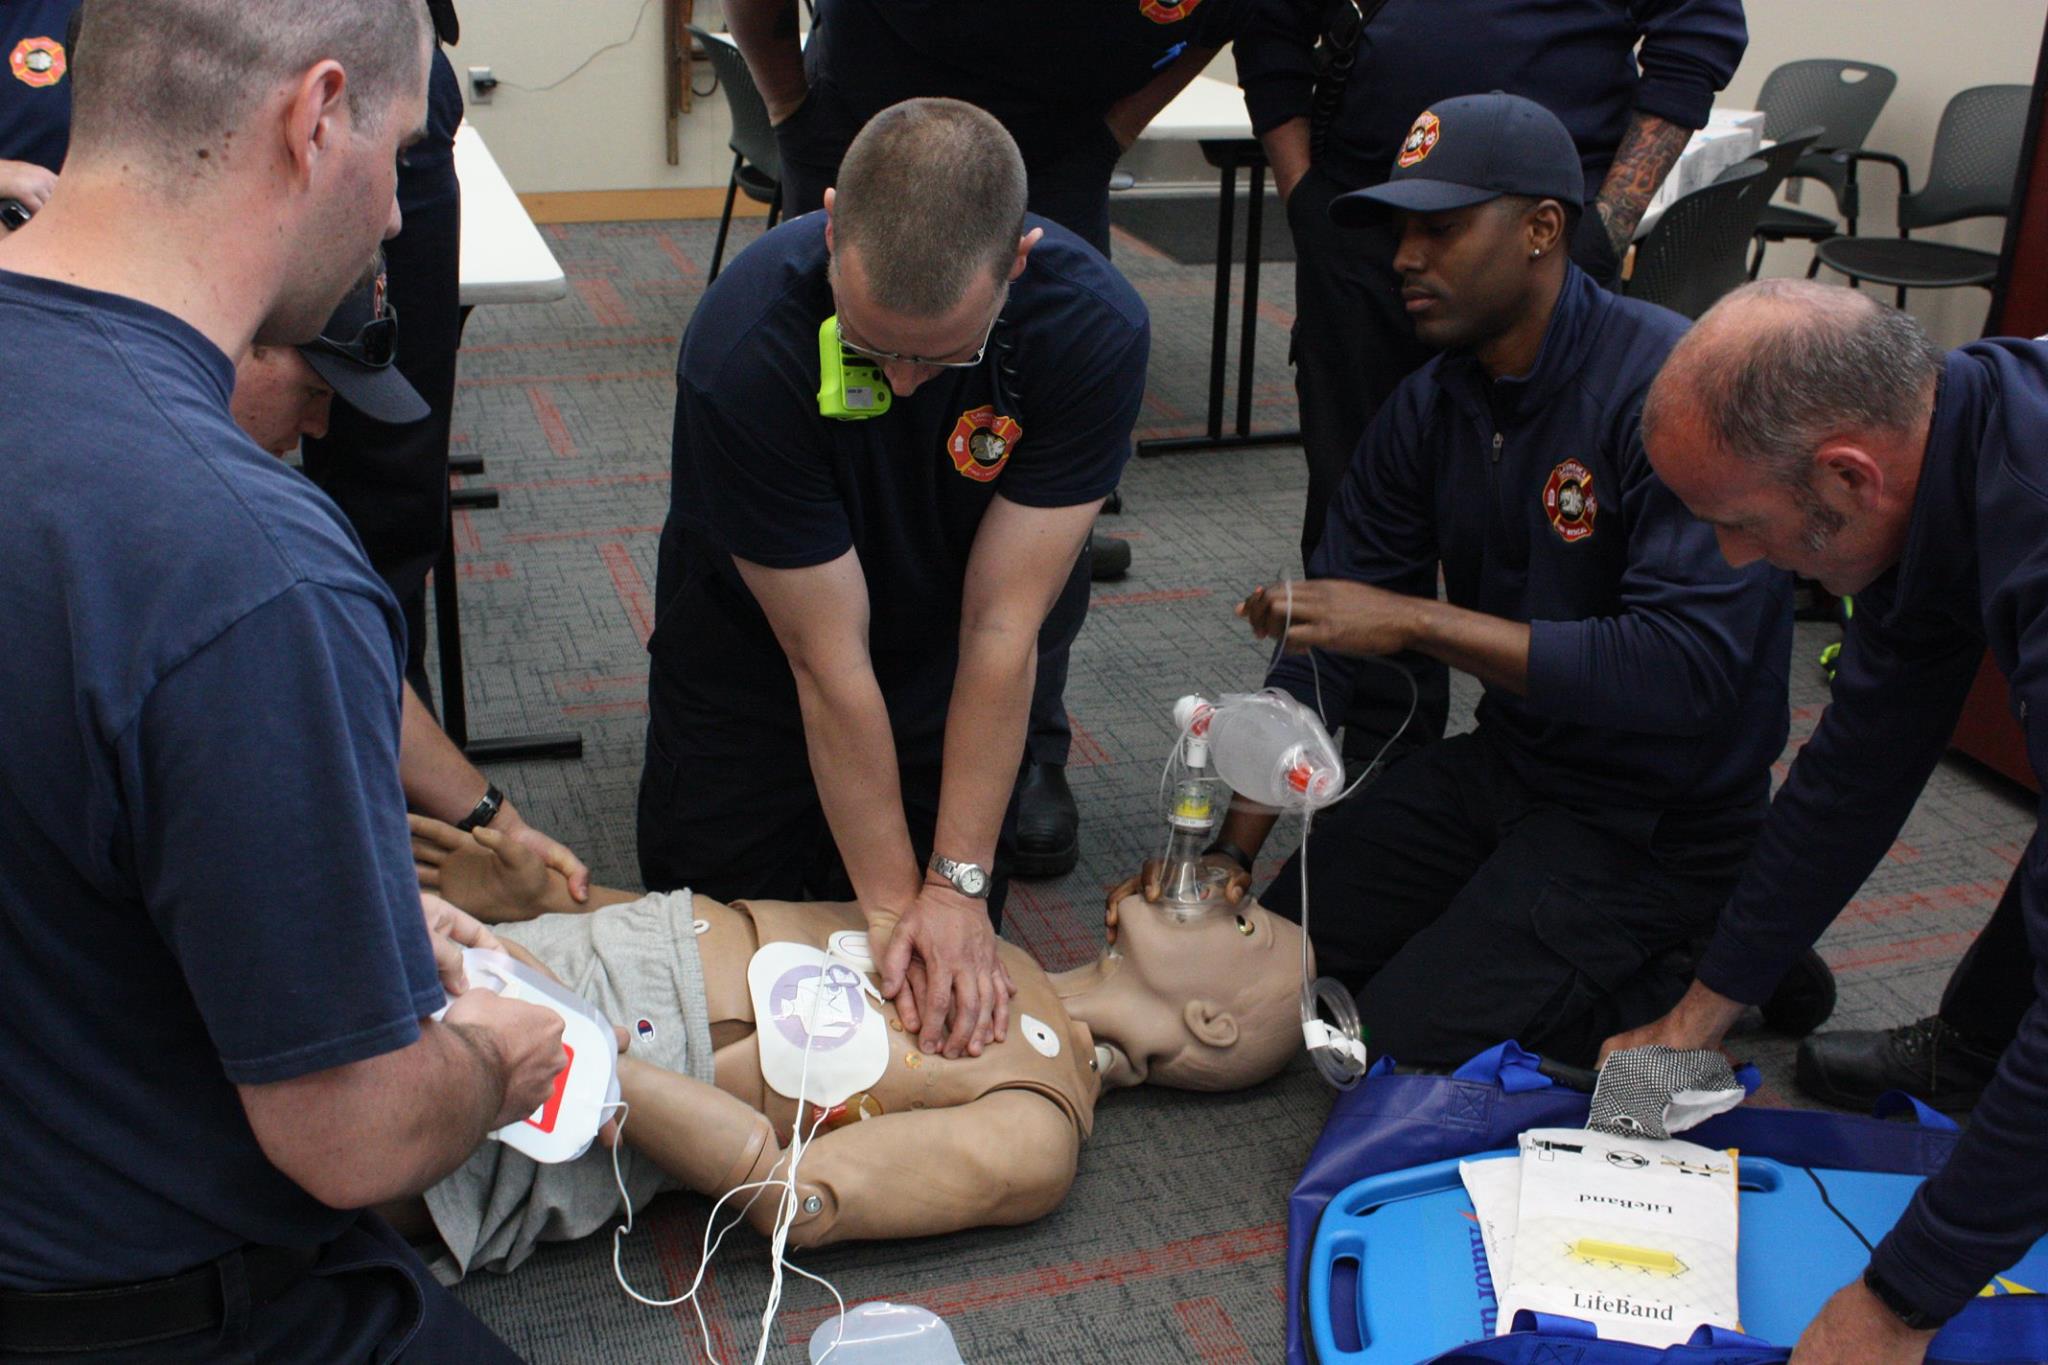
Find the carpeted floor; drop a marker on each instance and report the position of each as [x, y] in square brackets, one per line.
[1169, 1248]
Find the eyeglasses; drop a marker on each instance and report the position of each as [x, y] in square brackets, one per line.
[892, 358]
[374, 346]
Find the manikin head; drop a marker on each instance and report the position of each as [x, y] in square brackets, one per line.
[1793, 419]
[1485, 193]
[284, 393]
[1212, 1003]
[269, 129]
[925, 226]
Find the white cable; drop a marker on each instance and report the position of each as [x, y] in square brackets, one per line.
[785, 1216]
[580, 67]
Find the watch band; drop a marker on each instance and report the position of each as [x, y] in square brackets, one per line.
[969, 879]
[1919, 1319]
[486, 810]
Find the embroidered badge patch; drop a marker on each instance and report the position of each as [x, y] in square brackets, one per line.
[37, 61]
[1167, 11]
[981, 443]
[1421, 139]
[1569, 501]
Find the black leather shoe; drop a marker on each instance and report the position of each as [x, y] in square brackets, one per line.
[1108, 558]
[1929, 1060]
[1114, 503]
[1804, 999]
[1048, 824]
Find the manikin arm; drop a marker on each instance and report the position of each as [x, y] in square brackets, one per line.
[1006, 1158]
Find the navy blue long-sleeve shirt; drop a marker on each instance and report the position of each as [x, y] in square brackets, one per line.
[1974, 571]
[1576, 58]
[1657, 674]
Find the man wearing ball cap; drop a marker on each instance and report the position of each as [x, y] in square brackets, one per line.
[1555, 869]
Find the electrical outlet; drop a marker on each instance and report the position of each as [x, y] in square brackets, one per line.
[481, 84]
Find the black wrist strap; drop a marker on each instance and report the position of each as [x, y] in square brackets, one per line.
[1916, 1318]
[1223, 848]
[486, 809]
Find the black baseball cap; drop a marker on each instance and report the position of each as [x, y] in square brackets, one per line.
[1471, 149]
[354, 351]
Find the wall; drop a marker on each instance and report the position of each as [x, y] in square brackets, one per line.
[1937, 49]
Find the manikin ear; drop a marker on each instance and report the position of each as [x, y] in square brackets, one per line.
[1845, 473]
[312, 116]
[1216, 1027]
[1024, 245]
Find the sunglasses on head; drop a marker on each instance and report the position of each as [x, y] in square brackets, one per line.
[374, 346]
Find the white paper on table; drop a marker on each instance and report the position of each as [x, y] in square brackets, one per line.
[1495, 1188]
[1667, 1210]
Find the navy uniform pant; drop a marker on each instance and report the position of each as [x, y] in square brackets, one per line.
[368, 1298]
[1069, 185]
[727, 804]
[1993, 986]
[1463, 908]
[392, 481]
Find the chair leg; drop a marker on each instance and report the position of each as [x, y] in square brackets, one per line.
[1813, 267]
[1902, 298]
[1756, 257]
[732, 188]
[775, 206]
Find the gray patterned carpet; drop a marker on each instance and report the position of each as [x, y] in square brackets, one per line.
[1170, 1246]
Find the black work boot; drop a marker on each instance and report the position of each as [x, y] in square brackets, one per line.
[1804, 999]
[1108, 558]
[1929, 1060]
[1048, 824]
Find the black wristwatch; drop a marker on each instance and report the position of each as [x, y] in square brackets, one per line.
[486, 809]
[1919, 1319]
[1223, 848]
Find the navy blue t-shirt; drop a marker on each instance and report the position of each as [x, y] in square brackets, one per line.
[205, 876]
[1049, 70]
[35, 90]
[762, 475]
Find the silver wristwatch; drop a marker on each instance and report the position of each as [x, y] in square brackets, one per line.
[967, 878]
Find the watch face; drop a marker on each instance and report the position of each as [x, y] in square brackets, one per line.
[973, 881]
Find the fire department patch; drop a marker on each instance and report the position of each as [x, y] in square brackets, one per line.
[1421, 139]
[981, 443]
[1167, 11]
[1569, 501]
[37, 61]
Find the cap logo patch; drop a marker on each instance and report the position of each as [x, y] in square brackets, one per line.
[37, 61]
[1421, 140]
[1167, 11]
[982, 442]
[1569, 501]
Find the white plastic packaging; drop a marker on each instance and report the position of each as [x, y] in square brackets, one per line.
[586, 1088]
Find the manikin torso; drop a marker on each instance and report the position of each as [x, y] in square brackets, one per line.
[1047, 1052]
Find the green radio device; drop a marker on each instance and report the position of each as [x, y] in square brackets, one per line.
[850, 386]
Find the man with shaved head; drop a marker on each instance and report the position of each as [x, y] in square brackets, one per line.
[1816, 428]
[208, 1084]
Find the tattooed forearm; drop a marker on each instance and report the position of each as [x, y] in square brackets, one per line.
[1648, 150]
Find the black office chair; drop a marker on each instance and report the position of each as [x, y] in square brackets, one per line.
[1843, 99]
[1781, 162]
[756, 164]
[1698, 250]
[1971, 174]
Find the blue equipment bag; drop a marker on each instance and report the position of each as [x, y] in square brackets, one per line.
[1389, 1151]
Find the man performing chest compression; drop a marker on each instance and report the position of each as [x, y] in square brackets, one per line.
[720, 1001]
[895, 421]
[1557, 867]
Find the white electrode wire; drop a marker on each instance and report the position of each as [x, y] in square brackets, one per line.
[785, 1216]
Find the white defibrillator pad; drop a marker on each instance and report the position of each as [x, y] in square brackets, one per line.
[803, 996]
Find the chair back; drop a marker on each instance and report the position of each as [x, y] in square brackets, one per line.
[1699, 249]
[1779, 159]
[752, 136]
[1976, 159]
[1839, 96]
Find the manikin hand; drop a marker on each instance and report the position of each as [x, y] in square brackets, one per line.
[1237, 885]
[552, 851]
[26, 182]
[1333, 614]
[497, 877]
[957, 975]
[450, 931]
[1855, 1328]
